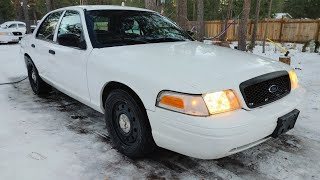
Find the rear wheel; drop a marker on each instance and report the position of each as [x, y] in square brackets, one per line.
[128, 125]
[38, 86]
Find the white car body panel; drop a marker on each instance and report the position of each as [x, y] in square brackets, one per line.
[219, 135]
[188, 67]
[7, 38]
[191, 67]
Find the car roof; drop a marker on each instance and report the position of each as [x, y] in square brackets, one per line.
[106, 7]
[12, 22]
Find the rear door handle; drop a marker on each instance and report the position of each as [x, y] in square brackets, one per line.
[52, 52]
[32, 45]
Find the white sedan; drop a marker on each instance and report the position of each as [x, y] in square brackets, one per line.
[159, 87]
[12, 31]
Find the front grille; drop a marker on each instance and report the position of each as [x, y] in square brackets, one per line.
[265, 89]
[17, 33]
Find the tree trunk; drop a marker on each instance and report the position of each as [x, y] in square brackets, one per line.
[48, 5]
[194, 11]
[182, 19]
[200, 22]
[266, 29]
[26, 16]
[35, 15]
[53, 5]
[255, 26]
[152, 5]
[18, 9]
[229, 15]
[242, 34]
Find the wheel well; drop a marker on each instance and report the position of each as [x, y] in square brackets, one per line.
[27, 59]
[116, 85]
[27, 55]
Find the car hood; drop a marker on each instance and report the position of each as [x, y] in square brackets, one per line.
[4, 30]
[200, 67]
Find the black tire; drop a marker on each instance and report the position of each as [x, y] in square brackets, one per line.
[134, 139]
[38, 86]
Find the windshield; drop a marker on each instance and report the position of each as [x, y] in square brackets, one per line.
[118, 27]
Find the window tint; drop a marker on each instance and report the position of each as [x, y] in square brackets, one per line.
[46, 30]
[13, 26]
[70, 30]
[132, 27]
[21, 25]
[101, 23]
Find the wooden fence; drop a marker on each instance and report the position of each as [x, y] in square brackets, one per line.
[282, 30]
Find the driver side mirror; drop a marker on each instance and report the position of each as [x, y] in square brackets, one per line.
[71, 40]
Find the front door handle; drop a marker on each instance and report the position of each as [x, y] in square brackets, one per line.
[32, 45]
[52, 52]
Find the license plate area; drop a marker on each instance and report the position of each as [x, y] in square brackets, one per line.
[285, 123]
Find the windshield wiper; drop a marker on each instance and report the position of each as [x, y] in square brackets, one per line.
[165, 39]
[134, 41]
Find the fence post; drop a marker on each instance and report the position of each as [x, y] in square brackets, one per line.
[281, 26]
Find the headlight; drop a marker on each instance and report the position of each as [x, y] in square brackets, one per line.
[294, 79]
[221, 101]
[198, 105]
[6, 33]
[183, 103]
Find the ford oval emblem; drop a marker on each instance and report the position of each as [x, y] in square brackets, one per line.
[273, 88]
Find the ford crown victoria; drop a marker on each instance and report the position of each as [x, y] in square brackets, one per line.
[156, 86]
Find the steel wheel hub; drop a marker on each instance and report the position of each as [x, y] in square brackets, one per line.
[33, 75]
[124, 123]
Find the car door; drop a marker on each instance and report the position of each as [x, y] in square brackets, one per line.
[13, 27]
[41, 45]
[69, 56]
[22, 28]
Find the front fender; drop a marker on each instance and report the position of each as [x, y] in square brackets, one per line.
[102, 69]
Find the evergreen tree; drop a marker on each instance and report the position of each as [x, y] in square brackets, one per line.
[303, 8]
[6, 10]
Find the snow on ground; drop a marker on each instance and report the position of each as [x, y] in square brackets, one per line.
[56, 137]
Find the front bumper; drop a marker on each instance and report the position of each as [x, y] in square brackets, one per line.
[219, 135]
[7, 39]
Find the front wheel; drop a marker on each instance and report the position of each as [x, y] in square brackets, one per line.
[38, 86]
[128, 125]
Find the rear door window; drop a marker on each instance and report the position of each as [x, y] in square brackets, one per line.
[47, 28]
[21, 26]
